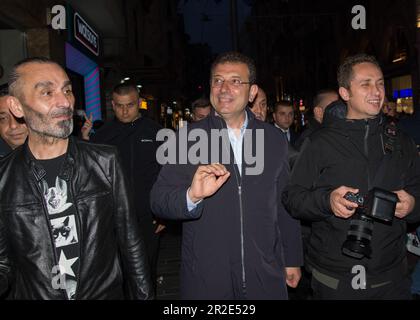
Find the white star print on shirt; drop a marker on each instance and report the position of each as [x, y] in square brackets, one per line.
[65, 264]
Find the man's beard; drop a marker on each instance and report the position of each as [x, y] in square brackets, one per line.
[42, 124]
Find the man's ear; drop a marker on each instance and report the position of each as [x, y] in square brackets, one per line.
[113, 105]
[274, 115]
[344, 93]
[15, 106]
[253, 92]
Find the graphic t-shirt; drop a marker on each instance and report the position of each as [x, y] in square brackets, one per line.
[62, 215]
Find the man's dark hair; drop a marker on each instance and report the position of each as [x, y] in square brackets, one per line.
[236, 57]
[282, 103]
[14, 75]
[200, 103]
[320, 95]
[345, 70]
[125, 88]
[336, 109]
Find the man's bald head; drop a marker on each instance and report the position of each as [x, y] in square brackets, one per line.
[15, 76]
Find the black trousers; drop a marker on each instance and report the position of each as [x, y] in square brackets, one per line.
[396, 288]
[151, 240]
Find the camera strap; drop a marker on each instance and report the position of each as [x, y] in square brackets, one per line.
[391, 139]
[391, 143]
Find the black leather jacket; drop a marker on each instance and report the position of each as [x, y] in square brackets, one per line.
[112, 253]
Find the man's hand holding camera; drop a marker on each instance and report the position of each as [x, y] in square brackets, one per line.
[343, 208]
[340, 206]
[405, 205]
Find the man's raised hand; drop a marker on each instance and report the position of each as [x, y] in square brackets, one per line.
[207, 180]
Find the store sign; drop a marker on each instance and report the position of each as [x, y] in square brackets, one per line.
[85, 34]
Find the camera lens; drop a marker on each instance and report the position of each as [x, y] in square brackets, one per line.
[357, 244]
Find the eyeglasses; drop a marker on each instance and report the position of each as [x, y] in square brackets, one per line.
[233, 82]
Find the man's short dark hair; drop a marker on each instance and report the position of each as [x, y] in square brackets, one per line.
[200, 103]
[282, 103]
[320, 95]
[236, 57]
[345, 70]
[14, 76]
[336, 109]
[123, 89]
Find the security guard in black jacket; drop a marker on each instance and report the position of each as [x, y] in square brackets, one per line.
[135, 138]
[347, 165]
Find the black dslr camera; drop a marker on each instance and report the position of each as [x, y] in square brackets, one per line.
[379, 205]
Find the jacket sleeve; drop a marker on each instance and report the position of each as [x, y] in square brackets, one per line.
[5, 269]
[168, 196]
[412, 183]
[131, 244]
[301, 197]
[289, 227]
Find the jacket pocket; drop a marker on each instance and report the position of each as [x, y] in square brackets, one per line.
[93, 195]
[18, 214]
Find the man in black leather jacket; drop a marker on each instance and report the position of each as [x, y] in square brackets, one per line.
[67, 229]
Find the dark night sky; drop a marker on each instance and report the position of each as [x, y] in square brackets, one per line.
[215, 32]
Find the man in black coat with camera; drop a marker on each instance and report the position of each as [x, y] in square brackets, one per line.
[356, 154]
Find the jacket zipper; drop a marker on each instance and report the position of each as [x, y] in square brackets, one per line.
[366, 139]
[241, 217]
[241, 213]
[76, 294]
[366, 147]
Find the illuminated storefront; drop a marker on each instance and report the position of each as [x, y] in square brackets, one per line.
[82, 52]
[402, 93]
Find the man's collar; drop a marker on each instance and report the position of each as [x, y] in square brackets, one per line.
[244, 125]
[67, 167]
[127, 123]
[218, 122]
[278, 127]
[245, 122]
